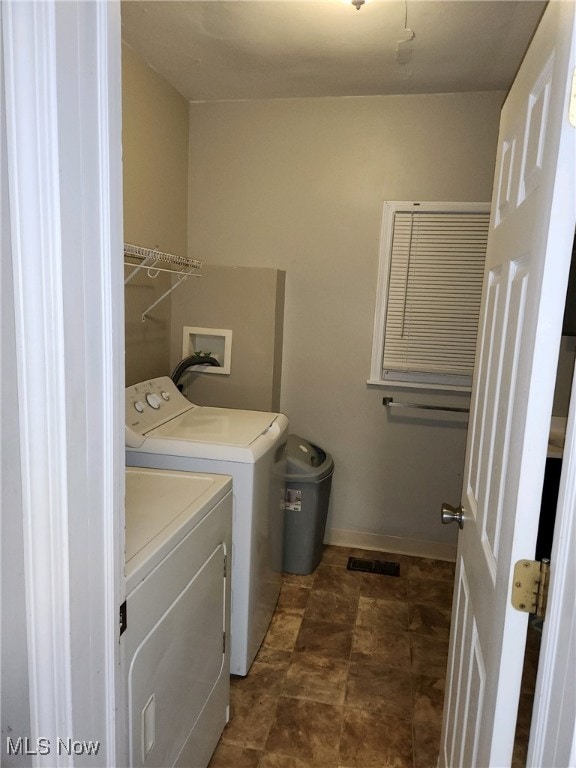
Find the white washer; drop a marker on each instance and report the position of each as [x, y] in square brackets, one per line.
[165, 430]
[178, 540]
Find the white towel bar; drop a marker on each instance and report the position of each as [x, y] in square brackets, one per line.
[389, 403]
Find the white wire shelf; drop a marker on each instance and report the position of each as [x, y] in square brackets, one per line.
[139, 258]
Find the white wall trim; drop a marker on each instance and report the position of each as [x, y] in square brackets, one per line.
[386, 232]
[63, 113]
[435, 550]
[109, 259]
[32, 135]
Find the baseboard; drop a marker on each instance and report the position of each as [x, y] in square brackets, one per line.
[435, 550]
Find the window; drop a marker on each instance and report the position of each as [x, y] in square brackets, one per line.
[429, 290]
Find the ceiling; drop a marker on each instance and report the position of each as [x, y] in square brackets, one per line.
[214, 50]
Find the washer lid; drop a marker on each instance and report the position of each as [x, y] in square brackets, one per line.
[219, 426]
[161, 507]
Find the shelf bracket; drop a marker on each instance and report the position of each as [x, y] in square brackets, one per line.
[150, 259]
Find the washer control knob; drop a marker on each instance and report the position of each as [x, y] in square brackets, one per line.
[165, 395]
[139, 405]
[153, 400]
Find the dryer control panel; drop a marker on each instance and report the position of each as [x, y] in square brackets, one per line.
[150, 404]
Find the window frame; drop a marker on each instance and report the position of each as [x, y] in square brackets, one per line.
[407, 379]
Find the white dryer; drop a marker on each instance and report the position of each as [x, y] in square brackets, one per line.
[167, 431]
[178, 541]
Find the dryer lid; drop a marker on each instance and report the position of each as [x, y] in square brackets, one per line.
[218, 426]
[159, 503]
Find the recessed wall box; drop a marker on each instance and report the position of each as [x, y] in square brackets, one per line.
[215, 342]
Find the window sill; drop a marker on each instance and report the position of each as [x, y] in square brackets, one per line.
[419, 385]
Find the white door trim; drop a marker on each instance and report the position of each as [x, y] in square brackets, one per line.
[63, 112]
[553, 728]
[36, 249]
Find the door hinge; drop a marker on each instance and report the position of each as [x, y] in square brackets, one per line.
[224, 643]
[530, 586]
[123, 618]
[572, 107]
[225, 565]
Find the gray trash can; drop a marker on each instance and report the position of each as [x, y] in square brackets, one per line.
[309, 472]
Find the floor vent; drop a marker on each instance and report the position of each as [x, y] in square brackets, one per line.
[382, 567]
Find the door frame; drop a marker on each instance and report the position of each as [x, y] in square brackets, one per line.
[61, 78]
[553, 726]
[49, 588]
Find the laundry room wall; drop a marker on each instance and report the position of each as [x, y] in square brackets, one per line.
[155, 174]
[248, 302]
[298, 185]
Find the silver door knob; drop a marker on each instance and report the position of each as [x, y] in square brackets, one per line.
[450, 514]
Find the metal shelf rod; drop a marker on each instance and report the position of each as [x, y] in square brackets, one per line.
[139, 252]
[152, 269]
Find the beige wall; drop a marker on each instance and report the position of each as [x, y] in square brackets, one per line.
[155, 161]
[298, 185]
[250, 303]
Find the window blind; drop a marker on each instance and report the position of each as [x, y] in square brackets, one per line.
[434, 292]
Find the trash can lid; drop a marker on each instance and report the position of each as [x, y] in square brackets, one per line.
[306, 461]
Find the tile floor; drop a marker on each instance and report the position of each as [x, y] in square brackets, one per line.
[351, 673]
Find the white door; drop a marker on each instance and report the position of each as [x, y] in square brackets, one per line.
[529, 250]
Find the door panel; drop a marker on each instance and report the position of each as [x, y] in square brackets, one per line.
[465, 699]
[527, 264]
